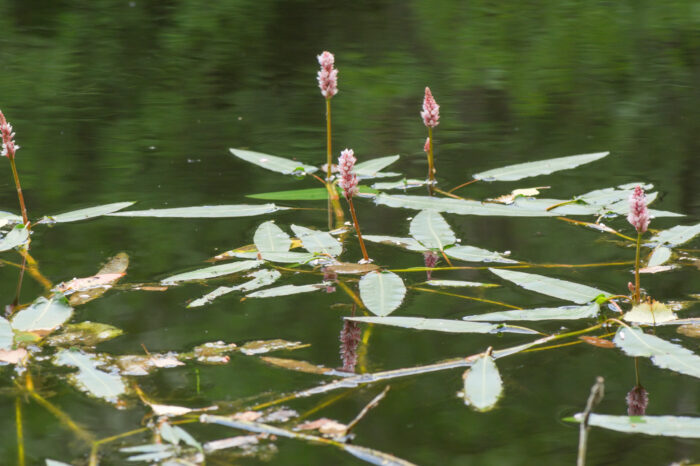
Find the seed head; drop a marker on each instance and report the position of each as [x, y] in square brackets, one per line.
[431, 110]
[350, 337]
[327, 76]
[348, 179]
[637, 401]
[639, 213]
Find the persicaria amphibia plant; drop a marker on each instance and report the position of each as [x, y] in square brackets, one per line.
[348, 181]
[430, 115]
[639, 218]
[328, 83]
[9, 150]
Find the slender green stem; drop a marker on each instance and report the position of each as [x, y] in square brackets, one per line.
[431, 160]
[25, 219]
[636, 270]
[463, 185]
[20, 432]
[329, 150]
[473, 298]
[357, 229]
[636, 371]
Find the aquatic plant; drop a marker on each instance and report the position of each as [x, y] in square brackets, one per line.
[430, 115]
[639, 219]
[9, 150]
[348, 182]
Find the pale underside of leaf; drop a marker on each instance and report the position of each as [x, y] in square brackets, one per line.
[207, 211]
[431, 230]
[43, 314]
[285, 290]
[212, 272]
[665, 426]
[482, 384]
[273, 162]
[442, 325]
[474, 254]
[545, 313]
[562, 289]
[260, 278]
[676, 236]
[84, 214]
[90, 378]
[540, 167]
[382, 292]
[634, 342]
[270, 238]
[318, 242]
[18, 236]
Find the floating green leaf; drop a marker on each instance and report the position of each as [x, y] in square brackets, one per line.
[474, 254]
[665, 426]
[285, 290]
[205, 211]
[213, 271]
[10, 217]
[443, 325]
[659, 256]
[399, 184]
[260, 278]
[18, 236]
[543, 313]
[482, 384]
[270, 238]
[562, 289]
[43, 314]
[318, 242]
[459, 283]
[84, 214]
[634, 342]
[540, 167]
[289, 257]
[309, 194]
[89, 378]
[371, 168]
[677, 235]
[382, 292]
[461, 207]
[274, 163]
[431, 230]
[6, 335]
[406, 243]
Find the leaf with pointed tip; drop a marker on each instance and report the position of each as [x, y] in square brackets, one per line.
[84, 214]
[10, 217]
[18, 236]
[406, 243]
[89, 378]
[285, 290]
[665, 426]
[43, 314]
[274, 163]
[666, 355]
[680, 234]
[309, 194]
[270, 238]
[382, 292]
[399, 184]
[212, 272]
[442, 325]
[6, 335]
[482, 384]
[289, 257]
[562, 289]
[260, 278]
[474, 254]
[461, 207]
[318, 242]
[542, 313]
[650, 313]
[459, 283]
[431, 230]
[371, 168]
[540, 167]
[205, 211]
[659, 256]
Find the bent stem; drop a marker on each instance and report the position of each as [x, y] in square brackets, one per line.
[636, 270]
[357, 229]
[25, 219]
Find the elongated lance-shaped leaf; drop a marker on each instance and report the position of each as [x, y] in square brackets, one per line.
[285, 290]
[399, 184]
[608, 196]
[676, 236]
[10, 217]
[318, 242]
[431, 230]
[382, 292]
[308, 194]
[18, 236]
[270, 238]
[260, 278]
[482, 384]
[474, 254]
[212, 272]
[540, 167]
[89, 378]
[273, 162]
[289, 257]
[205, 211]
[634, 342]
[663, 426]
[562, 289]
[459, 284]
[542, 313]
[406, 243]
[84, 214]
[371, 168]
[463, 207]
[6, 335]
[659, 256]
[43, 314]
[442, 325]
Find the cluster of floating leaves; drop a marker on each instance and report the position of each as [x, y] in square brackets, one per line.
[43, 331]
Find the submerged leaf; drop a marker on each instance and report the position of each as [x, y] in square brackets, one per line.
[676, 236]
[442, 325]
[143, 365]
[265, 346]
[562, 289]
[89, 378]
[260, 278]
[351, 268]
[544, 313]
[84, 334]
[273, 162]
[540, 167]
[665, 426]
[18, 236]
[214, 352]
[650, 313]
[84, 214]
[212, 272]
[382, 292]
[318, 242]
[285, 290]
[298, 366]
[474, 254]
[309, 194]
[115, 268]
[431, 230]
[406, 243]
[43, 315]
[270, 238]
[205, 211]
[634, 342]
[482, 384]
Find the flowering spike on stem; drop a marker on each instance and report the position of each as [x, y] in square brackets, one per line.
[639, 213]
[348, 181]
[430, 115]
[9, 150]
[350, 337]
[327, 76]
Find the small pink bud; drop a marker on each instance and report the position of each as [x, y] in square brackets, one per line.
[431, 260]
[426, 146]
[639, 213]
[327, 76]
[9, 148]
[431, 110]
[348, 179]
[630, 286]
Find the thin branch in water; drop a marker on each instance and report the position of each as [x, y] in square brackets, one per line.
[597, 393]
[462, 185]
[372, 404]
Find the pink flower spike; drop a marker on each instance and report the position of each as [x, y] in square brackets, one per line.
[9, 148]
[431, 110]
[348, 180]
[327, 76]
[426, 147]
[639, 213]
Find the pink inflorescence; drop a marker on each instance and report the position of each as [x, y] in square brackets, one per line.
[350, 337]
[426, 146]
[327, 76]
[348, 179]
[637, 401]
[639, 213]
[431, 110]
[9, 148]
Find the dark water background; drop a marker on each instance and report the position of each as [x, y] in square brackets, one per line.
[119, 100]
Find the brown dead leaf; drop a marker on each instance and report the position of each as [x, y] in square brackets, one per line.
[296, 243]
[510, 198]
[689, 330]
[171, 410]
[599, 342]
[113, 270]
[326, 426]
[214, 352]
[350, 268]
[296, 365]
[142, 365]
[82, 284]
[265, 346]
[248, 416]
[13, 356]
[657, 269]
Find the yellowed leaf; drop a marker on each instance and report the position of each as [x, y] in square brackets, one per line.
[650, 313]
[13, 356]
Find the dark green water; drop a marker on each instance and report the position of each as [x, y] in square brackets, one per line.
[116, 101]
